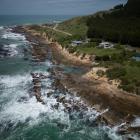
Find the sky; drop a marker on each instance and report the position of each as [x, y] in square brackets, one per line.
[55, 7]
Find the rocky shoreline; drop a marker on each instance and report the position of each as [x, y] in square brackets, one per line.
[122, 107]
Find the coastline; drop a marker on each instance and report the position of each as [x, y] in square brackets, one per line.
[121, 105]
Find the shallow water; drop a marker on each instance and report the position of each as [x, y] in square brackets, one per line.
[23, 118]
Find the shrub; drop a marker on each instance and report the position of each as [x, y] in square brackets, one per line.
[116, 72]
[100, 73]
[97, 40]
[102, 58]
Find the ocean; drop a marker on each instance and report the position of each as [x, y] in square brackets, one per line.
[21, 116]
[9, 20]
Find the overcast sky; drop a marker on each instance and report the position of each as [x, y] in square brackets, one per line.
[55, 7]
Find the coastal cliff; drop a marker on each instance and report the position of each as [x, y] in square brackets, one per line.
[99, 93]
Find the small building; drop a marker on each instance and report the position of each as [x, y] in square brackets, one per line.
[76, 43]
[87, 40]
[105, 45]
[136, 57]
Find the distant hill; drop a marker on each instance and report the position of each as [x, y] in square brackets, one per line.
[121, 24]
[75, 26]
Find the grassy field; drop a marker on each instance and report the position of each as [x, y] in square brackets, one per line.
[98, 51]
[55, 35]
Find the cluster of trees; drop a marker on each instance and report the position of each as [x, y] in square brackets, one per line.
[132, 8]
[121, 25]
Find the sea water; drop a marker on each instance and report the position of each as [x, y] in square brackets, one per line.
[31, 19]
[21, 116]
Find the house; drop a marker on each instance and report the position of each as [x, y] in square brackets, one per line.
[106, 45]
[76, 43]
[87, 40]
[136, 57]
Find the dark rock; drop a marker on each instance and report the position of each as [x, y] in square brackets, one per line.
[61, 126]
[91, 123]
[134, 129]
[56, 106]
[25, 58]
[61, 100]
[81, 115]
[68, 109]
[49, 94]
[23, 99]
[71, 117]
[130, 139]
[76, 108]
[28, 119]
[122, 132]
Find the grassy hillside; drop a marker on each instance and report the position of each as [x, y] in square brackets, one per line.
[75, 26]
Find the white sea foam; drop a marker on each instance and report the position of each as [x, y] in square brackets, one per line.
[21, 111]
[14, 87]
[112, 133]
[13, 36]
[15, 111]
[12, 48]
[48, 63]
[1, 27]
[136, 122]
[11, 81]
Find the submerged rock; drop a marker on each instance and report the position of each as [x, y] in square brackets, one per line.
[49, 94]
[23, 99]
[56, 106]
[61, 99]
[37, 85]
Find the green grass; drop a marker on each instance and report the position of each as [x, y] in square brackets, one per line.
[75, 26]
[133, 72]
[129, 74]
[98, 51]
[54, 34]
[50, 32]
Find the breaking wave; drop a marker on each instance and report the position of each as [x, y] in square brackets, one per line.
[14, 36]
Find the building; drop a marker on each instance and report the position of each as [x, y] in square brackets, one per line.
[136, 57]
[76, 43]
[106, 45]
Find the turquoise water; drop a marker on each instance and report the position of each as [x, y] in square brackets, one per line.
[23, 118]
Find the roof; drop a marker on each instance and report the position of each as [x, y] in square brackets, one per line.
[77, 42]
[104, 43]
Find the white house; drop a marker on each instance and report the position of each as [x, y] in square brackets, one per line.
[106, 45]
[76, 43]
